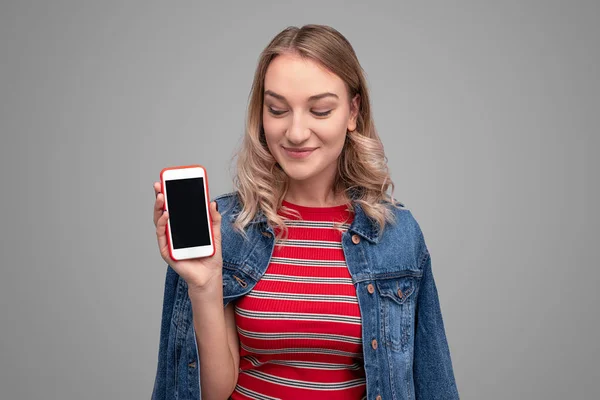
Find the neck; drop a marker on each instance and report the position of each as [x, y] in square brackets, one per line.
[309, 194]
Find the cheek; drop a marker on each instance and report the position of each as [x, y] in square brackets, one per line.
[274, 127]
[273, 134]
[332, 131]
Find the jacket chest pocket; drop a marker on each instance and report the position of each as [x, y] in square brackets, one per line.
[398, 307]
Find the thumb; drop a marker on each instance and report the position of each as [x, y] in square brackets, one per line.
[216, 225]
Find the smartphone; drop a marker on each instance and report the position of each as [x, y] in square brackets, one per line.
[189, 228]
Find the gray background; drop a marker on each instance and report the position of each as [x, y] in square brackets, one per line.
[489, 113]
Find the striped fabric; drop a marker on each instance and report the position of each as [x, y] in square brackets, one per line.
[300, 326]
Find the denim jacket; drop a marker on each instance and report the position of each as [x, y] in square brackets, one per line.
[406, 353]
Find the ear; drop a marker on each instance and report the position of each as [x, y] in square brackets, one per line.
[354, 110]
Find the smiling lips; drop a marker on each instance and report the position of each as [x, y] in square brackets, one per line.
[301, 152]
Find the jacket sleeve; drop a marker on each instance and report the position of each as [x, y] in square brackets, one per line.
[432, 367]
[159, 391]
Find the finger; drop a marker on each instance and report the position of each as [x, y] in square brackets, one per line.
[214, 213]
[216, 225]
[158, 207]
[156, 188]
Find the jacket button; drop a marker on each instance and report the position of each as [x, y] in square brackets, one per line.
[267, 234]
[370, 288]
[374, 344]
[378, 397]
[400, 294]
[355, 239]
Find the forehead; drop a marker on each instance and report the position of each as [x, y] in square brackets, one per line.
[298, 78]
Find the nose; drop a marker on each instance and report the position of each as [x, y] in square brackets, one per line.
[298, 132]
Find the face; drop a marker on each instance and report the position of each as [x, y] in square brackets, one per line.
[306, 114]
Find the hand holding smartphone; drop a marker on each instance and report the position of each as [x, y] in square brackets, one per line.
[189, 228]
[188, 235]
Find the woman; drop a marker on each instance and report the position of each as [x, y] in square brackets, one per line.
[321, 284]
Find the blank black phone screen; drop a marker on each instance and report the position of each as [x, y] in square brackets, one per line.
[187, 212]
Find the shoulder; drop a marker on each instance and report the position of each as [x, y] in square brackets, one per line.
[405, 233]
[404, 219]
[403, 215]
[226, 197]
[228, 203]
[229, 206]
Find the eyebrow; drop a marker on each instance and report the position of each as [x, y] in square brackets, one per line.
[311, 98]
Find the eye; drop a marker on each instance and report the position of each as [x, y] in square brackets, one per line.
[321, 113]
[276, 112]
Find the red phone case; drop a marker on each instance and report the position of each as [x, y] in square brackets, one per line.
[162, 189]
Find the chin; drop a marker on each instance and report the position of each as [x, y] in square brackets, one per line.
[298, 174]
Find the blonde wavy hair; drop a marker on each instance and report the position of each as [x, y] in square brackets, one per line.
[362, 166]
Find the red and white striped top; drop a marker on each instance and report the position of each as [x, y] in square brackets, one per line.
[300, 326]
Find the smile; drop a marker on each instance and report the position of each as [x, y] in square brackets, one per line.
[298, 153]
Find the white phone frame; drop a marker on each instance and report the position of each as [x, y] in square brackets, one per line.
[188, 252]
